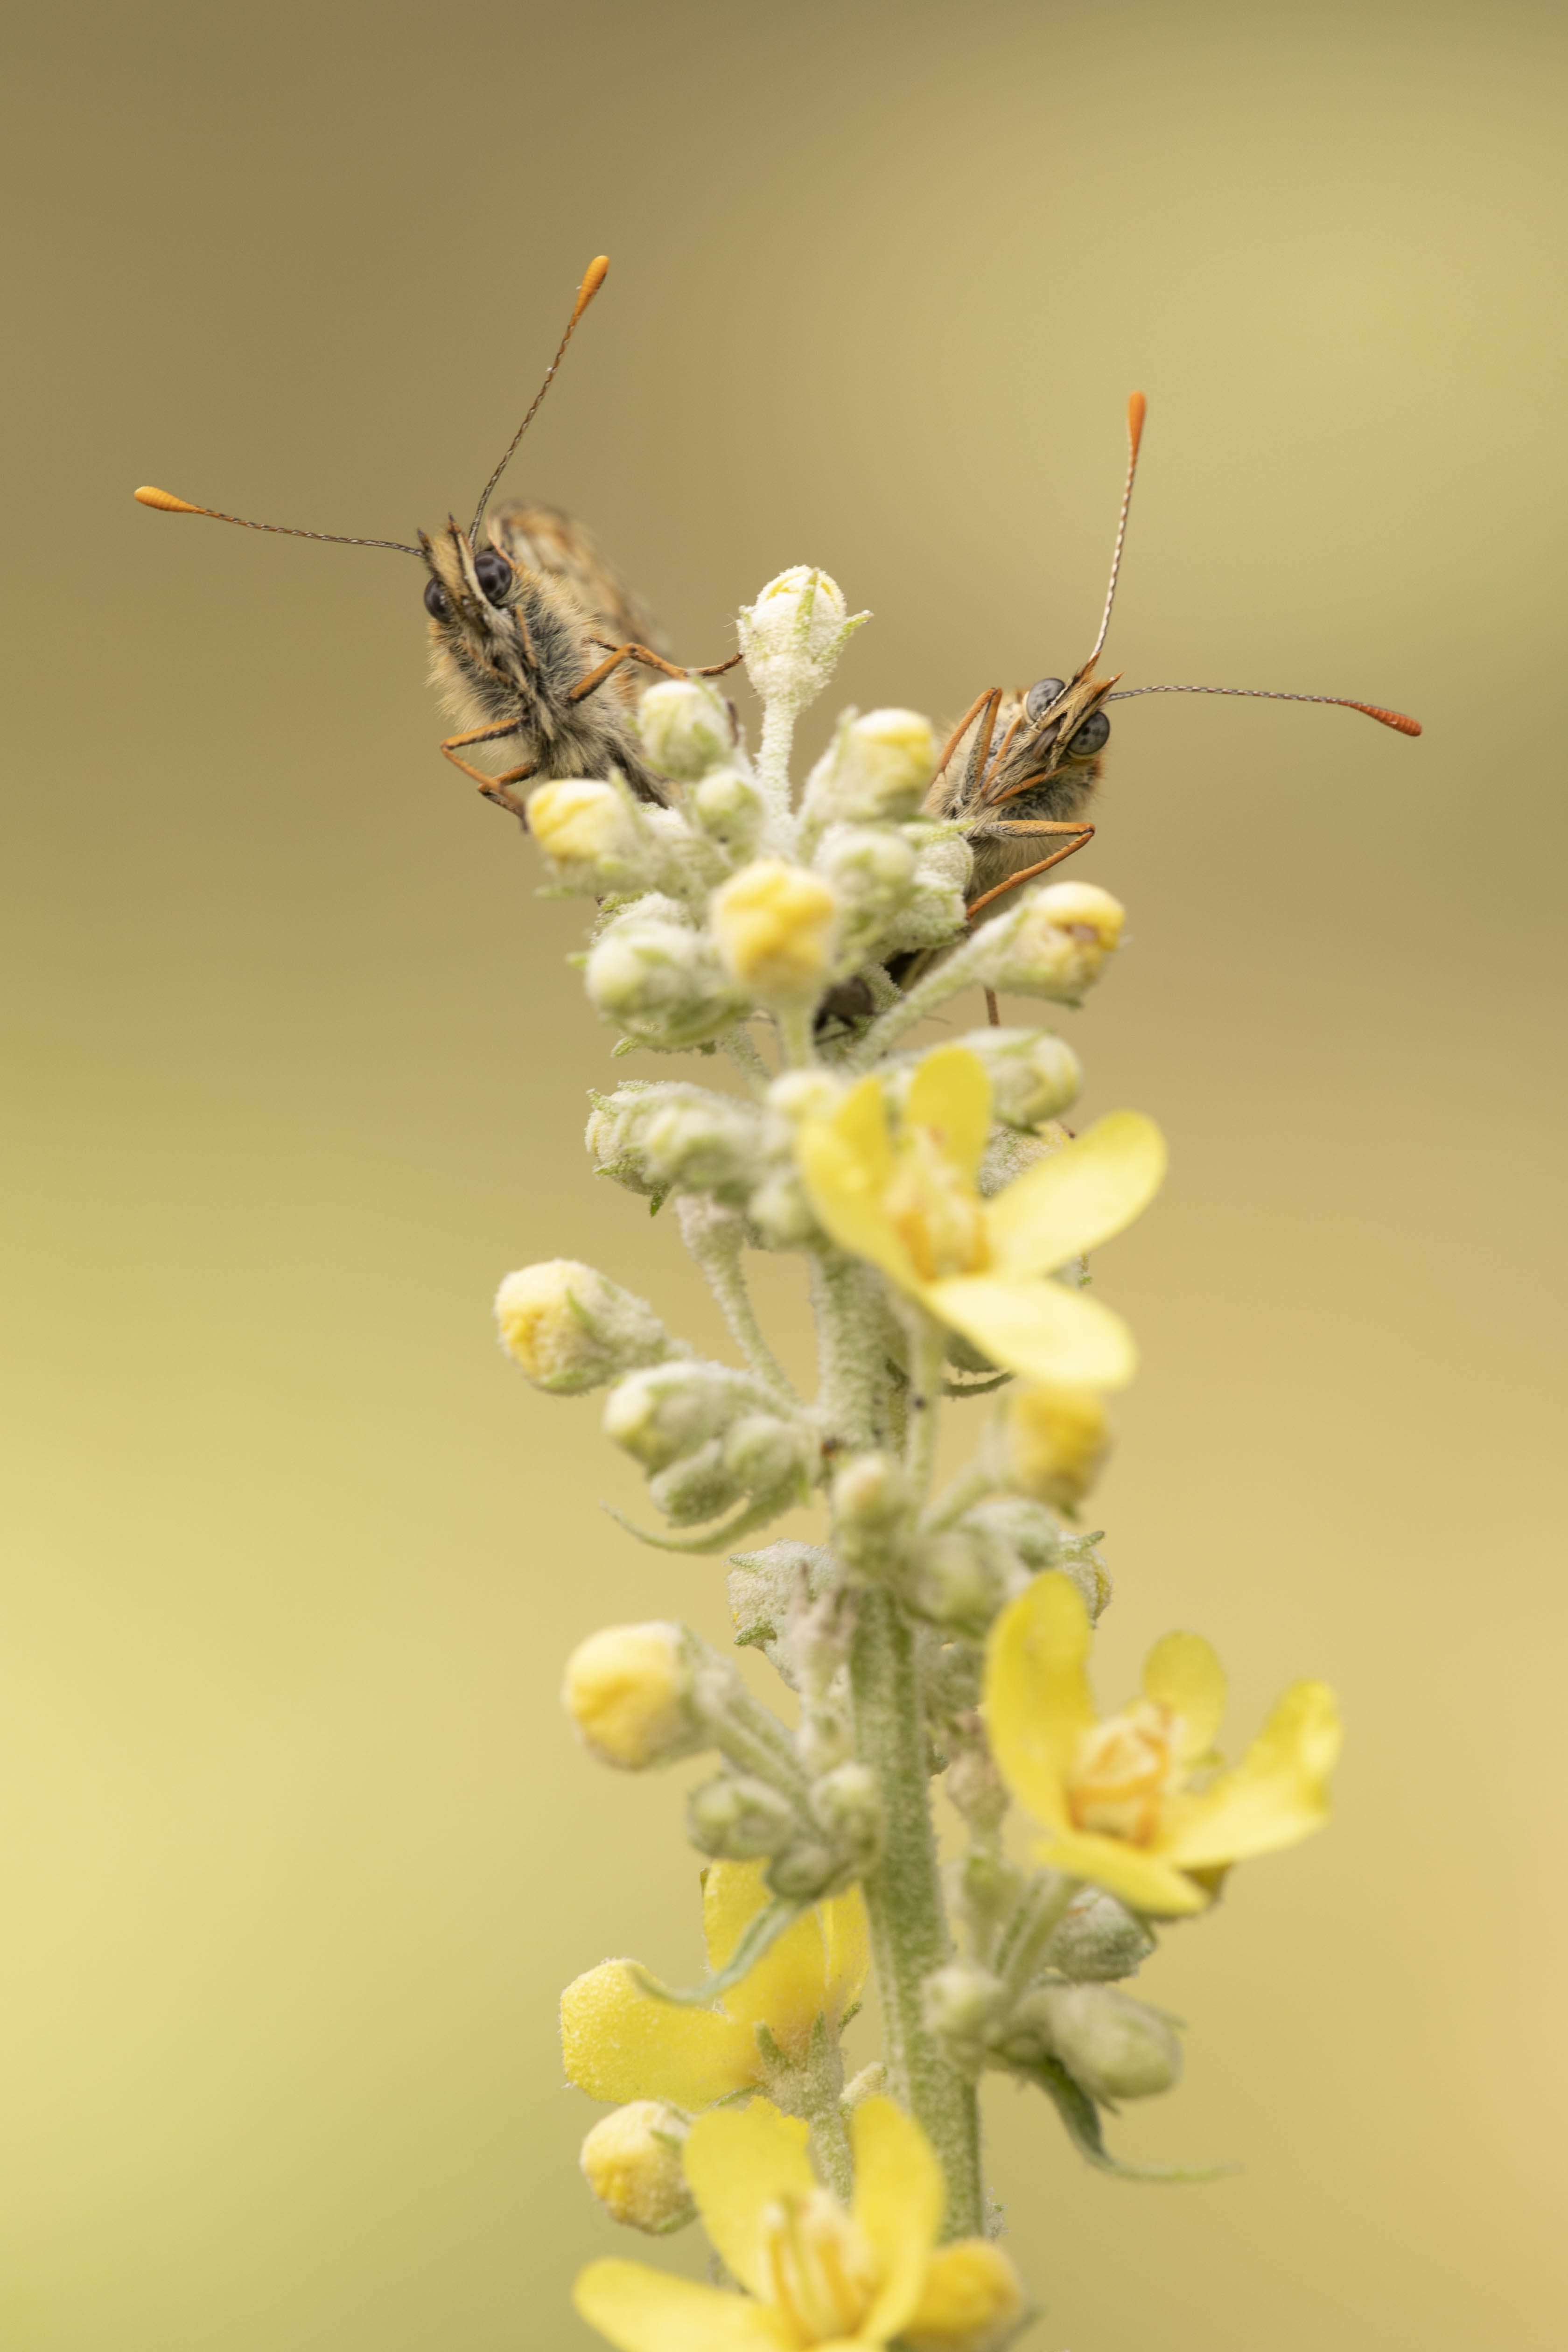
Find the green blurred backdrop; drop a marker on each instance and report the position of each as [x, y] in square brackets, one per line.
[296, 1848]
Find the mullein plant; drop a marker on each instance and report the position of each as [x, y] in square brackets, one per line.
[943, 1214]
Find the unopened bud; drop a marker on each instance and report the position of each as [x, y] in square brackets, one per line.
[668, 1412]
[628, 1691]
[1053, 945]
[701, 1143]
[570, 1329]
[1056, 1442]
[685, 727]
[736, 1818]
[699, 1487]
[871, 871]
[1112, 2045]
[793, 636]
[1033, 1075]
[776, 927]
[632, 2161]
[1096, 1940]
[728, 808]
[660, 982]
[590, 834]
[848, 1801]
[960, 1576]
[934, 912]
[961, 2002]
[874, 772]
[972, 2300]
[1038, 1541]
[764, 1453]
[805, 1872]
[871, 1500]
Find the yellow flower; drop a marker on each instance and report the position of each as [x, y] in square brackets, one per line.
[812, 2273]
[1056, 1442]
[1115, 1797]
[621, 2042]
[907, 1202]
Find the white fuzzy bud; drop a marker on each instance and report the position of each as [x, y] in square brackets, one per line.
[805, 1871]
[765, 1454]
[871, 871]
[960, 1576]
[1038, 1541]
[696, 1487]
[736, 1818]
[727, 807]
[570, 1329]
[848, 1801]
[963, 2004]
[591, 835]
[632, 2161]
[1054, 945]
[1096, 1940]
[793, 636]
[876, 770]
[685, 727]
[871, 1500]
[935, 911]
[1033, 1075]
[662, 1414]
[660, 982]
[700, 1142]
[776, 927]
[1112, 2045]
[629, 1692]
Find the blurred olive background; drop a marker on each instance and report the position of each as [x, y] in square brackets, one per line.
[296, 1847]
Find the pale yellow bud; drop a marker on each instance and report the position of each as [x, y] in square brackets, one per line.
[1056, 1444]
[776, 926]
[685, 726]
[1055, 945]
[585, 829]
[794, 632]
[877, 768]
[632, 2162]
[629, 1692]
[571, 1330]
[972, 2300]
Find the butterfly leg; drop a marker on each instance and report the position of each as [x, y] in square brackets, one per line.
[1081, 834]
[494, 788]
[618, 654]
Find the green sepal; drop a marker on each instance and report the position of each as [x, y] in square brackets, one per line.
[1081, 2117]
[761, 1934]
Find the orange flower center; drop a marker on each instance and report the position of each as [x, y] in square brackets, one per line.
[1124, 1773]
[934, 1210]
[821, 2274]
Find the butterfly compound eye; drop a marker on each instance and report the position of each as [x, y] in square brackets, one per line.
[437, 602]
[1041, 695]
[1090, 738]
[493, 572]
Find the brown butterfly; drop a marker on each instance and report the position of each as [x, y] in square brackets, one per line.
[533, 637]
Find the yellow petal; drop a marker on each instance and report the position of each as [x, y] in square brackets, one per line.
[732, 1895]
[644, 2310]
[620, 2042]
[900, 2199]
[1277, 1793]
[739, 2161]
[1090, 1188]
[1184, 1674]
[951, 1092]
[846, 1192]
[861, 1122]
[1146, 1881]
[1037, 1702]
[1040, 1329]
[846, 1940]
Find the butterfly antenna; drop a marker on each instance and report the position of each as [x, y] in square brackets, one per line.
[1394, 719]
[594, 277]
[1137, 409]
[167, 503]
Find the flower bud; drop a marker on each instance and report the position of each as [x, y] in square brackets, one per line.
[764, 1453]
[934, 912]
[570, 1329]
[848, 1801]
[972, 2300]
[1053, 945]
[960, 2004]
[960, 1576]
[694, 1141]
[1109, 2043]
[660, 982]
[874, 772]
[1033, 1075]
[1056, 1444]
[685, 726]
[805, 1870]
[871, 870]
[1096, 1940]
[632, 2162]
[1038, 1541]
[699, 1487]
[728, 808]
[777, 930]
[668, 1411]
[871, 1501]
[628, 1691]
[793, 636]
[590, 833]
[736, 1818]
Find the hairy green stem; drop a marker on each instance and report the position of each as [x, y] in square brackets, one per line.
[903, 1897]
[849, 1344]
[715, 1238]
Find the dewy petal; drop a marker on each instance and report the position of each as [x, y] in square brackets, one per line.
[1146, 1881]
[620, 2042]
[1040, 1329]
[643, 2310]
[898, 2202]
[1182, 1672]
[1277, 1793]
[739, 2161]
[951, 1092]
[846, 1193]
[1037, 1699]
[1080, 1196]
